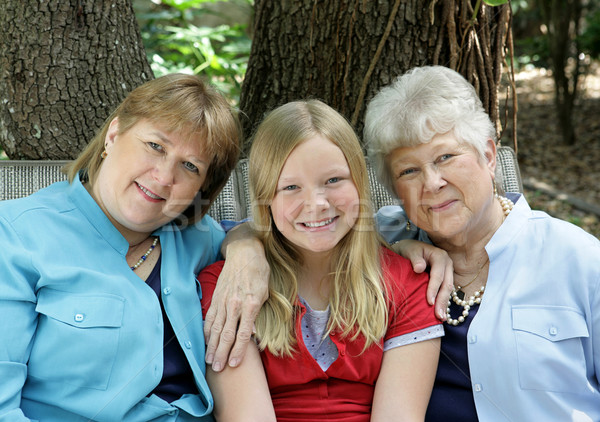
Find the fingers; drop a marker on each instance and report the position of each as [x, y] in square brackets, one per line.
[443, 296]
[223, 334]
[441, 274]
[419, 264]
[213, 325]
[245, 332]
[246, 313]
[441, 281]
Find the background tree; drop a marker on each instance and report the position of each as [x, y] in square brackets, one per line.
[344, 51]
[562, 36]
[562, 23]
[76, 59]
[64, 65]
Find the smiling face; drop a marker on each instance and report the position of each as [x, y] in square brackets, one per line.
[316, 202]
[445, 186]
[148, 177]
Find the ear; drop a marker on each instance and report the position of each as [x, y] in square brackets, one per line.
[490, 156]
[111, 134]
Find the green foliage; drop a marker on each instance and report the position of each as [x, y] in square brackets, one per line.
[589, 40]
[176, 40]
[531, 44]
[495, 2]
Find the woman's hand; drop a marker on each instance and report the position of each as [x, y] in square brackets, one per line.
[441, 275]
[241, 290]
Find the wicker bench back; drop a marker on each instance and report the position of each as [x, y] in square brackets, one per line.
[22, 178]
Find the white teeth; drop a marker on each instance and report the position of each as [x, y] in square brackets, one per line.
[319, 224]
[147, 192]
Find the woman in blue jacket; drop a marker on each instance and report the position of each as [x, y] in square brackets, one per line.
[100, 316]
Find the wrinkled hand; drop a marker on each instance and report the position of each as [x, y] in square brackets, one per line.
[441, 274]
[241, 290]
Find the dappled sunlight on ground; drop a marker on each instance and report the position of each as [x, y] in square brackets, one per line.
[572, 170]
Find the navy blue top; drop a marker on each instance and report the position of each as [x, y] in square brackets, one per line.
[452, 395]
[177, 378]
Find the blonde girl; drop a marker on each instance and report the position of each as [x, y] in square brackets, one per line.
[346, 333]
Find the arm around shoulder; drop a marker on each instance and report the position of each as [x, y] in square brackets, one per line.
[240, 293]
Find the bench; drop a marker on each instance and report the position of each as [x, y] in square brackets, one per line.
[22, 178]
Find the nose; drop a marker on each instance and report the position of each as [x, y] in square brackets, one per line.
[316, 199]
[433, 179]
[164, 173]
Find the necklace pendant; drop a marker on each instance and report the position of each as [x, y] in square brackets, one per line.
[460, 294]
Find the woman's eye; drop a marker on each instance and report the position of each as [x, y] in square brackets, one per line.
[191, 167]
[405, 172]
[445, 157]
[155, 146]
[290, 187]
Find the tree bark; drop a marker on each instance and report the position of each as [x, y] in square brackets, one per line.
[343, 51]
[64, 66]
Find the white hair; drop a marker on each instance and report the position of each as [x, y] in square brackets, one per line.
[415, 107]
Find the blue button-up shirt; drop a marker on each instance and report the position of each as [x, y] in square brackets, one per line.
[534, 345]
[81, 335]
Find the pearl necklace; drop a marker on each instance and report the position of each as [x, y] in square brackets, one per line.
[507, 206]
[148, 252]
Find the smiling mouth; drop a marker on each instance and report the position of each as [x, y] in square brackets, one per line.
[314, 225]
[147, 192]
[442, 206]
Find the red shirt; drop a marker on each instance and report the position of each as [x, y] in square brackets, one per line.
[301, 390]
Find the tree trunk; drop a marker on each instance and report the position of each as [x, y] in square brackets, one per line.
[65, 65]
[343, 51]
[562, 20]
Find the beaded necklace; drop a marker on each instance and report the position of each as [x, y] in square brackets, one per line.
[143, 258]
[475, 299]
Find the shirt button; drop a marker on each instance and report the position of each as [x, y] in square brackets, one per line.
[188, 344]
[172, 412]
[553, 331]
[79, 317]
[473, 339]
[167, 290]
[477, 388]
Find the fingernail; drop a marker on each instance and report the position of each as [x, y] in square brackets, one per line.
[209, 358]
[233, 363]
[216, 366]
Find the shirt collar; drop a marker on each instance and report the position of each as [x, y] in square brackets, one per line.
[511, 227]
[96, 217]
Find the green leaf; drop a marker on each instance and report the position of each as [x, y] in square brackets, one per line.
[495, 2]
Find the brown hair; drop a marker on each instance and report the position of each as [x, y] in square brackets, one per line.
[179, 103]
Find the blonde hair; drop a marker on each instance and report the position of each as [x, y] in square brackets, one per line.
[358, 298]
[183, 104]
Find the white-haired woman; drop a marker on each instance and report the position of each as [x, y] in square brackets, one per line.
[523, 329]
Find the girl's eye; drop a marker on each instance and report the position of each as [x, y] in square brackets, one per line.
[290, 187]
[191, 167]
[333, 180]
